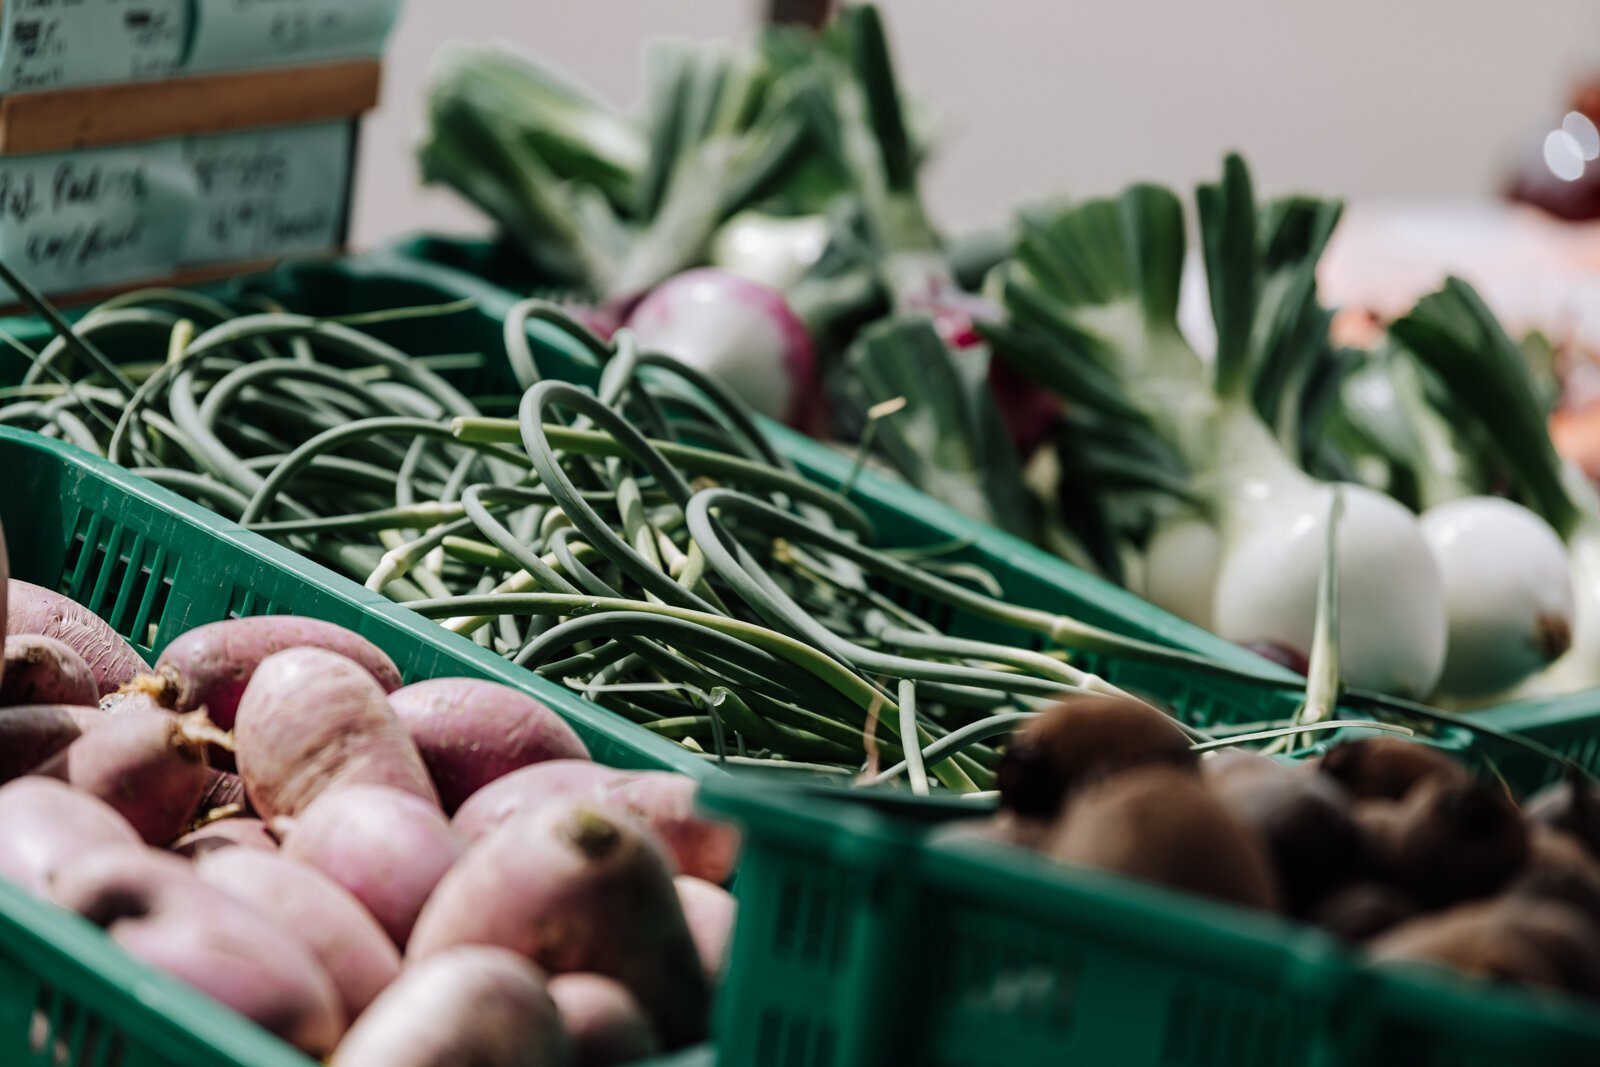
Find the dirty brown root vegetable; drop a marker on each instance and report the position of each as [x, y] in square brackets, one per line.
[709, 910]
[1361, 911]
[1305, 819]
[42, 670]
[524, 790]
[602, 1020]
[226, 833]
[310, 720]
[210, 666]
[1388, 768]
[1571, 806]
[30, 737]
[1163, 824]
[149, 766]
[32, 609]
[472, 1005]
[1559, 868]
[574, 887]
[1447, 841]
[386, 847]
[352, 948]
[1080, 740]
[1537, 943]
[471, 732]
[156, 907]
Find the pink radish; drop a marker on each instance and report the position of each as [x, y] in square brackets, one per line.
[606, 1025]
[210, 666]
[710, 911]
[664, 802]
[310, 720]
[45, 823]
[345, 939]
[471, 732]
[387, 847]
[32, 609]
[156, 907]
[150, 767]
[469, 1007]
[575, 888]
[526, 789]
[42, 670]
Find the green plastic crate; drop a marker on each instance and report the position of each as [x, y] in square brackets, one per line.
[861, 942]
[153, 565]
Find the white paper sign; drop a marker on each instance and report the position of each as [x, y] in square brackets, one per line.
[233, 34]
[268, 192]
[77, 220]
[47, 44]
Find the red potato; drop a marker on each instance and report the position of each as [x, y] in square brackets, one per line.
[710, 911]
[45, 823]
[42, 670]
[226, 833]
[310, 720]
[31, 737]
[211, 666]
[605, 1024]
[343, 936]
[32, 609]
[388, 848]
[471, 732]
[149, 766]
[664, 801]
[526, 789]
[477, 1006]
[157, 908]
[575, 887]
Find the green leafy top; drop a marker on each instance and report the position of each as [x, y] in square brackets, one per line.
[1455, 335]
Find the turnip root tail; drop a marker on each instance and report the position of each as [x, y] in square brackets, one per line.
[197, 728]
[162, 685]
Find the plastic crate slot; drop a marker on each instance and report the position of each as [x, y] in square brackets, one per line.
[62, 1033]
[86, 558]
[1225, 1028]
[1004, 974]
[787, 1040]
[809, 932]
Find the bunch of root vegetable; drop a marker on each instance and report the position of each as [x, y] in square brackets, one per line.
[1384, 842]
[267, 816]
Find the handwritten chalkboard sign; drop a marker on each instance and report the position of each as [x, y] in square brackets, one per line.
[93, 218]
[236, 34]
[268, 193]
[60, 44]
[78, 220]
[49, 44]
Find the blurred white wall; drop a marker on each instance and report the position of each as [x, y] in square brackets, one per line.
[1359, 97]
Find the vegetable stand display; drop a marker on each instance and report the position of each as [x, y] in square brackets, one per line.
[1566, 723]
[862, 942]
[156, 566]
[901, 518]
